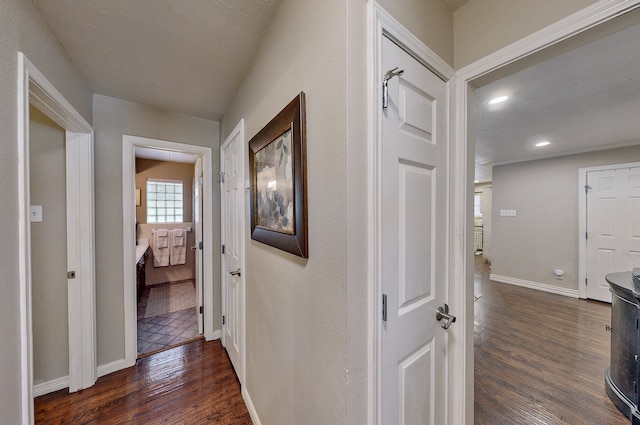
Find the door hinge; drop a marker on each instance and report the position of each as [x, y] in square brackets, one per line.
[384, 307]
[200, 245]
[586, 188]
[200, 180]
[223, 248]
[586, 235]
[586, 281]
[385, 85]
[224, 319]
[221, 176]
[201, 309]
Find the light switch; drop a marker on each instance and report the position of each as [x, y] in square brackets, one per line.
[35, 212]
[507, 213]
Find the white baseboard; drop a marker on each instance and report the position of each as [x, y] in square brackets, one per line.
[216, 335]
[108, 368]
[573, 293]
[250, 407]
[51, 386]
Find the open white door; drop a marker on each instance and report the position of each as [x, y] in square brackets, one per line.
[233, 213]
[413, 245]
[612, 226]
[197, 224]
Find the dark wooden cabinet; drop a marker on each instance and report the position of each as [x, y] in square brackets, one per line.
[622, 377]
[140, 273]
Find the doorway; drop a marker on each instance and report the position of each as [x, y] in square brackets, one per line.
[168, 215]
[35, 89]
[474, 76]
[203, 246]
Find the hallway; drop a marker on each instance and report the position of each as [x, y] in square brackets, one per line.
[190, 384]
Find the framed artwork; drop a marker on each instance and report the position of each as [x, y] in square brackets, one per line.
[277, 163]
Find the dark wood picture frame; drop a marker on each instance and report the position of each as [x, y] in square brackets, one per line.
[277, 163]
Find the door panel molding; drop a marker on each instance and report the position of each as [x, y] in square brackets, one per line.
[238, 355]
[383, 26]
[582, 219]
[129, 144]
[34, 88]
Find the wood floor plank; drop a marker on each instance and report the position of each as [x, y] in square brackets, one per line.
[540, 358]
[191, 384]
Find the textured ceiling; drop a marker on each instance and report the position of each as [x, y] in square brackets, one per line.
[585, 99]
[186, 56]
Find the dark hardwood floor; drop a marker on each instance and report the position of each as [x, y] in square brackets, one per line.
[539, 358]
[190, 384]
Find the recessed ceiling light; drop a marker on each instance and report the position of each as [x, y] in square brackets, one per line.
[498, 99]
[543, 143]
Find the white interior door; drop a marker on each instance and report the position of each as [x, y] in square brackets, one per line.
[413, 246]
[613, 226]
[197, 224]
[232, 199]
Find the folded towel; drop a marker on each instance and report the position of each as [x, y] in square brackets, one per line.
[160, 248]
[161, 238]
[178, 237]
[178, 252]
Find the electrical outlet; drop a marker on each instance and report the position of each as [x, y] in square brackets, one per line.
[507, 213]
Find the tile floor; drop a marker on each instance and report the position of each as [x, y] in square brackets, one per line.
[164, 331]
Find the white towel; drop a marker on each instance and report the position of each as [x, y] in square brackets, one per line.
[178, 248]
[161, 251]
[178, 237]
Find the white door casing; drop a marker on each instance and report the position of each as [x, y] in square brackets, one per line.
[612, 234]
[462, 172]
[129, 144]
[198, 244]
[232, 198]
[34, 88]
[414, 242]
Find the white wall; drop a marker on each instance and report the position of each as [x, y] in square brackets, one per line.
[307, 323]
[112, 119]
[483, 26]
[22, 29]
[49, 249]
[544, 234]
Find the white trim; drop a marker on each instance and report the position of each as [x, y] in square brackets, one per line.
[129, 144]
[238, 132]
[51, 386]
[544, 287]
[582, 219]
[463, 147]
[34, 88]
[216, 334]
[114, 366]
[250, 407]
[381, 24]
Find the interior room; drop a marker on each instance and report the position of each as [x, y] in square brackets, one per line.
[537, 126]
[165, 262]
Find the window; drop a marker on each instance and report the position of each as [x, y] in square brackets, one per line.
[164, 201]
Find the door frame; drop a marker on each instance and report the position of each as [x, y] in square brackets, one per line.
[582, 219]
[238, 132]
[129, 144]
[382, 24]
[35, 89]
[462, 170]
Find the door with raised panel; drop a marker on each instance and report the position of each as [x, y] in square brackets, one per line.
[413, 207]
[613, 226]
[232, 199]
